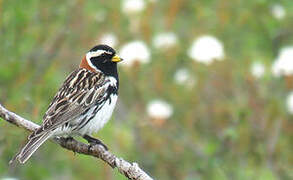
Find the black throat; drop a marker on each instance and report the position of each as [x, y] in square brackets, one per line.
[109, 68]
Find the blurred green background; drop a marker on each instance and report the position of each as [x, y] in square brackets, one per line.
[226, 124]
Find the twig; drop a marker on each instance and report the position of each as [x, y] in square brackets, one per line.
[130, 170]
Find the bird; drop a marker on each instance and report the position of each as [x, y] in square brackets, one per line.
[83, 104]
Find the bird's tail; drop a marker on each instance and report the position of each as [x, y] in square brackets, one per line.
[31, 146]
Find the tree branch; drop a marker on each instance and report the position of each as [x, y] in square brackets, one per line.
[130, 170]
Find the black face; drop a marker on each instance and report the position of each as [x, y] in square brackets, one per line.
[101, 58]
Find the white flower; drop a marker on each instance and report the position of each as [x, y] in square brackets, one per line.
[206, 49]
[283, 65]
[257, 69]
[182, 76]
[290, 103]
[132, 6]
[165, 40]
[134, 51]
[159, 109]
[278, 11]
[109, 39]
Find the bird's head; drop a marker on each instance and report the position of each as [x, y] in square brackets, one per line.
[101, 58]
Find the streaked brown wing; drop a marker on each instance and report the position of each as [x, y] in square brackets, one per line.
[81, 90]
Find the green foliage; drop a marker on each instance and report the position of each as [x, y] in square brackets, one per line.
[228, 125]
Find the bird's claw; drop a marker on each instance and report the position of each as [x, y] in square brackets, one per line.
[93, 141]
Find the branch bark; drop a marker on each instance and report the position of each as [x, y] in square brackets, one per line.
[129, 170]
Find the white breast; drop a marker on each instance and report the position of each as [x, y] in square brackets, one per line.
[101, 117]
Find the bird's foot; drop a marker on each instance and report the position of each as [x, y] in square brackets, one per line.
[93, 141]
[68, 140]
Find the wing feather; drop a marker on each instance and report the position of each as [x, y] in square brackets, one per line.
[80, 91]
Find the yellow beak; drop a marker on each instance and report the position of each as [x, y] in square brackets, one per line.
[116, 59]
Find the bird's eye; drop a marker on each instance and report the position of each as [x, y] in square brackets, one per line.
[106, 57]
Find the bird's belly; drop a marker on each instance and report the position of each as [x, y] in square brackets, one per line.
[101, 117]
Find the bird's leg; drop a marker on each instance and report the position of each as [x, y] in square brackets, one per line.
[69, 138]
[94, 141]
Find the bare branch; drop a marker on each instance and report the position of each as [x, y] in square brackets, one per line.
[130, 170]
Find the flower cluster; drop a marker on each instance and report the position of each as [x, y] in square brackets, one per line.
[159, 109]
[135, 51]
[278, 11]
[283, 65]
[206, 49]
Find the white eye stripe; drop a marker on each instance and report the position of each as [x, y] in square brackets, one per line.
[108, 52]
[94, 54]
[91, 54]
[88, 59]
[97, 53]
